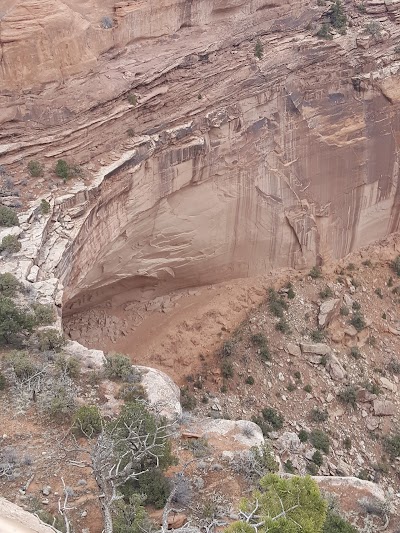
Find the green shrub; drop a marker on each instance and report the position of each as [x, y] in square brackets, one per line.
[276, 303]
[373, 28]
[317, 458]
[317, 335]
[23, 366]
[188, 401]
[392, 446]
[129, 515]
[347, 443]
[367, 263]
[307, 388]
[396, 265]
[303, 435]
[325, 33]
[14, 321]
[132, 99]
[379, 292]
[65, 171]
[130, 132]
[327, 292]
[315, 272]
[249, 380]
[356, 306]
[35, 169]
[305, 508]
[50, 340]
[156, 487]
[288, 467]
[227, 369]
[259, 49]
[283, 326]
[119, 366]
[312, 469]
[44, 314]
[265, 428]
[131, 392]
[358, 321]
[338, 16]
[265, 354]
[9, 284]
[61, 402]
[259, 340]
[68, 365]
[8, 217]
[87, 420]
[10, 244]
[318, 415]
[355, 352]
[290, 293]
[273, 417]
[44, 207]
[3, 381]
[334, 523]
[344, 310]
[227, 348]
[348, 395]
[320, 440]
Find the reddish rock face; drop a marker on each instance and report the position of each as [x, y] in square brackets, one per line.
[235, 165]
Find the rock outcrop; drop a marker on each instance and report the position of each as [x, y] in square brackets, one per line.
[14, 519]
[232, 166]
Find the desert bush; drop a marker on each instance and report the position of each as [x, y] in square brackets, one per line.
[337, 16]
[9, 284]
[259, 49]
[367, 263]
[315, 272]
[273, 417]
[355, 352]
[317, 458]
[265, 354]
[288, 467]
[188, 401]
[259, 340]
[392, 445]
[326, 292]
[356, 306]
[396, 265]
[58, 397]
[317, 335]
[129, 515]
[348, 395]
[22, 364]
[290, 293]
[344, 310]
[131, 392]
[198, 447]
[8, 217]
[14, 321]
[393, 366]
[68, 365]
[44, 314]
[50, 340]
[358, 321]
[156, 486]
[119, 366]
[347, 443]
[276, 303]
[318, 415]
[35, 169]
[378, 292]
[303, 435]
[132, 99]
[283, 326]
[44, 207]
[227, 369]
[3, 381]
[263, 425]
[10, 244]
[255, 463]
[334, 523]
[320, 440]
[373, 28]
[304, 509]
[307, 388]
[324, 33]
[87, 420]
[65, 171]
[249, 380]
[227, 349]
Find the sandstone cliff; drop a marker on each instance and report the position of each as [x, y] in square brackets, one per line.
[233, 165]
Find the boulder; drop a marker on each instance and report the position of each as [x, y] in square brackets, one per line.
[14, 519]
[326, 311]
[386, 384]
[288, 441]
[318, 348]
[384, 408]
[293, 349]
[363, 396]
[88, 358]
[162, 392]
[33, 274]
[335, 369]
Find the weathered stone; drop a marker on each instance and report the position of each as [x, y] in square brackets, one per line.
[88, 358]
[318, 349]
[33, 274]
[384, 408]
[335, 368]
[348, 300]
[363, 396]
[14, 519]
[387, 384]
[372, 423]
[350, 331]
[326, 311]
[162, 392]
[293, 349]
[288, 441]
